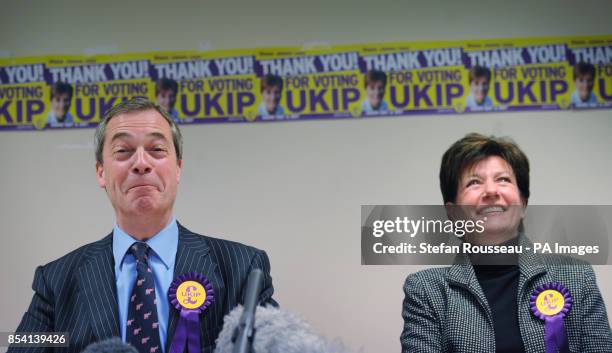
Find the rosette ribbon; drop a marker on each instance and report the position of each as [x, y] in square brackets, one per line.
[550, 303]
[190, 293]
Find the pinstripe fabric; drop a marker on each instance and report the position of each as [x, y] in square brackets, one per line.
[445, 309]
[77, 293]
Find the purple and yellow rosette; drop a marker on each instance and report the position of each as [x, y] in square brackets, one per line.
[190, 293]
[550, 302]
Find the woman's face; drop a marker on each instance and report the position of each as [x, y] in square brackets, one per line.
[271, 97]
[167, 99]
[60, 104]
[375, 92]
[490, 190]
[584, 85]
[479, 88]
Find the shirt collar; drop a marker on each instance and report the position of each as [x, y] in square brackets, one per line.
[164, 243]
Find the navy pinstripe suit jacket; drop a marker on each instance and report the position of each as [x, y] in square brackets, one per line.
[77, 293]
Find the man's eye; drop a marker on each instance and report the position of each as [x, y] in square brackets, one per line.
[158, 152]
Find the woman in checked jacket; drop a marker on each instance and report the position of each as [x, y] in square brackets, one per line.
[473, 307]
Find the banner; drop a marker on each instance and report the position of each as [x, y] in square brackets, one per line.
[205, 87]
[348, 81]
[413, 79]
[296, 84]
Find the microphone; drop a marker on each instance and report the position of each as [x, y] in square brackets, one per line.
[278, 331]
[110, 345]
[245, 331]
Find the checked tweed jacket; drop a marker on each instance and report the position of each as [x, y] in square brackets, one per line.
[445, 309]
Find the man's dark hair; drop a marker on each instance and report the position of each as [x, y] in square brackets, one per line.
[166, 84]
[61, 88]
[269, 81]
[479, 71]
[375, 76]
[583, 69]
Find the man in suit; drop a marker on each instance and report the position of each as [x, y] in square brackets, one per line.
[103, 289]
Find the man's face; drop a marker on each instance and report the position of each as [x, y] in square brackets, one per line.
[166, 98]
[491, 191]
[140, 171]
[60, 104]
[584, 86]
[375, 91]
[271, 97]
[479, 88]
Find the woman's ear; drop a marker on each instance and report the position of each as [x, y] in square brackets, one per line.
[450, 210]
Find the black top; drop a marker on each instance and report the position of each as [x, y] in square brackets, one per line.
[498, 275]
[500, 285]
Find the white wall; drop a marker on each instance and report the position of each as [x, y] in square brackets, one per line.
[293, 188]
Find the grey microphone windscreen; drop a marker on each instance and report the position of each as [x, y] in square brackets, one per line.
[110, 345]
[277, 331]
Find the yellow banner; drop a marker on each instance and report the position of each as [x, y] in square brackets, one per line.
[348, 81]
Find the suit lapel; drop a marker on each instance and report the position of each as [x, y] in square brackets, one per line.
[462, 273]
[97, 283]
[193, 256]
[531, 268]
[530, 264]
[533, 272]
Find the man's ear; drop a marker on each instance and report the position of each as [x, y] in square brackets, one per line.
[178, 170]
[100, 175]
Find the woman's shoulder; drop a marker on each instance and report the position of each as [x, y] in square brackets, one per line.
[571, 271]
[430, 277]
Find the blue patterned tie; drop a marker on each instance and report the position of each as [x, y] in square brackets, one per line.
[142, 325]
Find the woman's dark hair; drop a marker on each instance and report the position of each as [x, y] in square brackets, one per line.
[473, 148]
